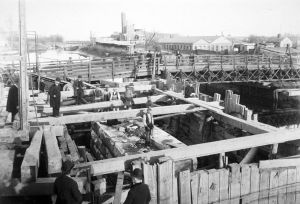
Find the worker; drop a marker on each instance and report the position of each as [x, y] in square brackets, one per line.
[149, 125]
[178, 58]
[128, 97]
[54, 94]
[78, 90]
[189, 90]
[12, 104]
[42, 86]
[149, 102]
[139, 193]
[65, 188]
[149, 59]
[106, 93]
[115, 95]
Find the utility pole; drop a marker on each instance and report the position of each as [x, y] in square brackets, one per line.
[23, 86]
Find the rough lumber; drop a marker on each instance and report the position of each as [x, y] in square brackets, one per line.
[71, 146]
[235, 183]
[214, 185]
[277, 163]
[264, 185]
[6, 167]
[150, 173]
[30, 163]
[54, 158]
[185, 187]
[164, 182]
[224, 180]
[249, 126]
[115, 114]
[203, 187]
[206, 149]
[9, 135]
[194, 186]
[101, 105]
[273, 186]
[119, 185]
[291, 187]
[282, 182]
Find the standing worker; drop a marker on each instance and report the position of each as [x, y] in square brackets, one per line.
[139, 193]
[42, 86]
[106, 93]
[149, 125]
[128, 97]
[65, 188]
[12, 104]
[78, 90]
[115, 95]
[189, 90]
[54, 94]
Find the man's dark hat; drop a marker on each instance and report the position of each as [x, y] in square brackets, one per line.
[67, 166]
[137, 173]
[57, 79]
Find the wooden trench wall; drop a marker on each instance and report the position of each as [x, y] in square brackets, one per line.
[235, 184]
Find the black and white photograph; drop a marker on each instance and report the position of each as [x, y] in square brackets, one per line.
[149, 102]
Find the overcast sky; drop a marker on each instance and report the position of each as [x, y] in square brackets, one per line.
[74, 19]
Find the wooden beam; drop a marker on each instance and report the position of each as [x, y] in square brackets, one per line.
[249, 126]
[30, 163]
[100, 105]
[115, 114]
[201, 150]
[54, 158]
[119, 185]
[278, 163]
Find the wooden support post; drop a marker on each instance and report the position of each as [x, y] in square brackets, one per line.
[222, 160]
[273, 186]
[154, 66]
[185, 187]
[264, 184]
[291, 185]
[224, 181]
[235, 183]
[119, 186]
[165, 183]
[194, 186]
[150, 178]
[214, 186]
[23, 84]
[113, 71]
[203, 187]
[282, 182]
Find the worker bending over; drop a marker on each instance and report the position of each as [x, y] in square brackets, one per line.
[139, 193]
[65, 188]
[149, 125]
[54, 94]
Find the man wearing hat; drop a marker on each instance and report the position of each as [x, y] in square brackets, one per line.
[139, 193]
[54, 94]
[129, 96]
[149, 125]
[65, 188]
[13, 99]
[189, 90]
[106, 93]
[78, 90]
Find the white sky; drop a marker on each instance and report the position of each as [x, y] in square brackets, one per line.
[74, 19]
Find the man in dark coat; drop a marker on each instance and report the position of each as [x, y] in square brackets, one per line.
[189, 90]
[149, 125]
[42, 85]
[78, 90]
[12, 105]
[54, 93]
[65, 188]
[139, 193]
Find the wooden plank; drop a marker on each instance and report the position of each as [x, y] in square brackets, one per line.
[30, 163]
[274, 179]
[185, 187]
[224, 186]
[203, 187]
[264, 185]
[235, 183]
[298, 184]
[205, 149]
[119, 186]
[71, 146]
[277, 163]
[54, 158]
[114, 115]
[164, 182]
[282, 181]
[214, 186]
[245, 183]
[254, 184]
[194, 186]
[151, 180]
[174, 184]
[291, 187]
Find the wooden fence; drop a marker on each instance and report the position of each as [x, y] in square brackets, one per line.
[235, 184]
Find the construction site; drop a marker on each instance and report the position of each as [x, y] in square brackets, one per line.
[235, 139]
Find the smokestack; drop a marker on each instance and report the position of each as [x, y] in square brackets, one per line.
[124, 23]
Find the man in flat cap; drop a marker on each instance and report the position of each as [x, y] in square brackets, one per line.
[139, 193]
[78, 90]
[65, 188]
[12, 105]
[54, 94]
